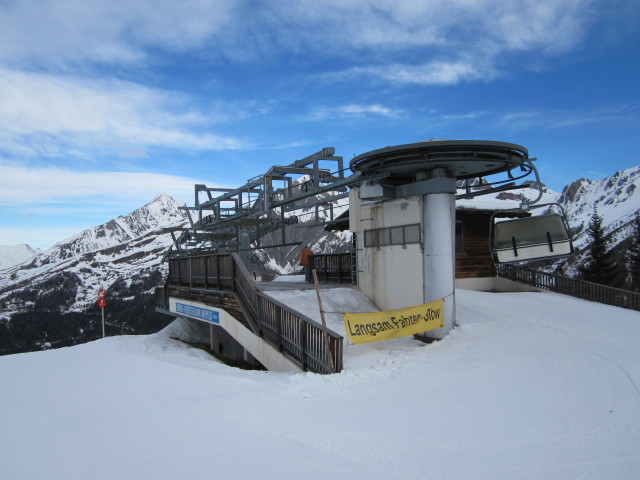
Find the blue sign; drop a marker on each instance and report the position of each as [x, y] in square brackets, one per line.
[198, 312]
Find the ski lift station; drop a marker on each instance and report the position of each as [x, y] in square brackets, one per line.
[402, 213]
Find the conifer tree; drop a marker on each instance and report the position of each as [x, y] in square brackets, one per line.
[633, 256]
[601, 267]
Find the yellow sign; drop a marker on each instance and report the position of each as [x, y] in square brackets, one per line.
[377, 326]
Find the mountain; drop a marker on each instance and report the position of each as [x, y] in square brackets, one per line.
[51, 299]
[11, 255]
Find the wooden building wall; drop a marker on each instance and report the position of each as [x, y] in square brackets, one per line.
[475, 259]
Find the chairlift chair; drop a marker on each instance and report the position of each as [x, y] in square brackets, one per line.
[530, 238]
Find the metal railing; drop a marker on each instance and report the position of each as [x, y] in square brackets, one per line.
[295, 335]
[569, 286]
[333, 268]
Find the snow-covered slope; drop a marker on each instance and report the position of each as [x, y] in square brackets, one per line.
[11, 255]
[529, 386]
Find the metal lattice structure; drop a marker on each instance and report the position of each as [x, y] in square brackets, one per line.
[232, 220]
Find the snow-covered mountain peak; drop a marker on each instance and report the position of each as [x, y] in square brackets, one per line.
[12, 255]
[163, 211]
[571, 191]
[163, 202]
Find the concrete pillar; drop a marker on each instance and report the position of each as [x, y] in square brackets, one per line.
[214, 337]
[438, 240]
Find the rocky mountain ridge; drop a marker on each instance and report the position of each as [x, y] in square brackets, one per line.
[616, 199]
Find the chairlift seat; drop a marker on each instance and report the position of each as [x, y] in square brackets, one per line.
[531, 238]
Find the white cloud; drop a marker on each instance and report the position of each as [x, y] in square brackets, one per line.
[38, 236]
[63, 33]
[71, 32]
[352, 110]
[367, 109]
[517, 24]
[431, 42]
[52, 115]
[609, 117]
[36, 186]
[617, 117]
[432, 73]
[467, 116]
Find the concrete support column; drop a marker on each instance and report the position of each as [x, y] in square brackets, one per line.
[214, 337]
[438, 229]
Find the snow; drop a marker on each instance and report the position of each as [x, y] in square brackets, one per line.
[528, 386]
[289, 279]
[12, 255]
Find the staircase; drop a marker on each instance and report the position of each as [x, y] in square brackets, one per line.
[222, 281]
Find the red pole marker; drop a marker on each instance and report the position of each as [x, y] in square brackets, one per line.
[102, 302]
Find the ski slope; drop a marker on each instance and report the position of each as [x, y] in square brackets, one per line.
[528, 386]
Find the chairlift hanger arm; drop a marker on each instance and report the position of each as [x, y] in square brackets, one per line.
[538, 182]
[510, 184]
[527, 207]
[504, 188]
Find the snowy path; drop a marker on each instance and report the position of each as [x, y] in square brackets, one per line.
[529, 386]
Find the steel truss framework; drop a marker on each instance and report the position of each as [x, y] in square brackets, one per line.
[235, 219]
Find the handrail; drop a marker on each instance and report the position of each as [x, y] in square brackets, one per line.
[569, 286]
[295, 335]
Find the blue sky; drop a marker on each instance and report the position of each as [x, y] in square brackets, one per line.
[104, 105]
